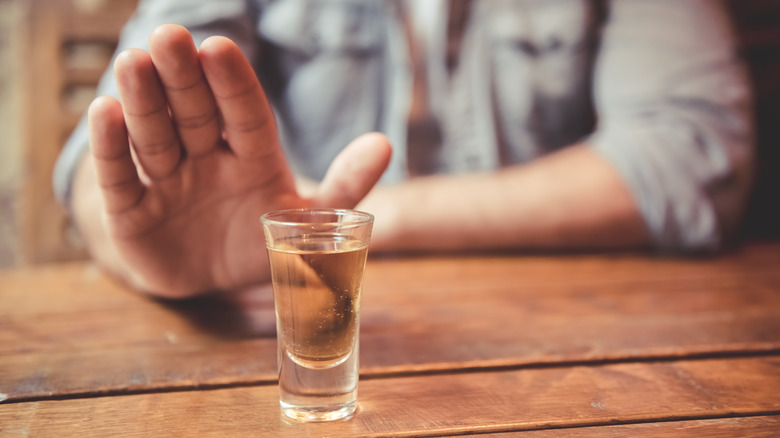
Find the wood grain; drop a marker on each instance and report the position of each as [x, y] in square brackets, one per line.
[418, 316]
[432, 405]
[743, 427]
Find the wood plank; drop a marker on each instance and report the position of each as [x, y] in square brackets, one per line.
[444, 273]
[743, 427]
[434, 405]
[410, 323]
[69, 286]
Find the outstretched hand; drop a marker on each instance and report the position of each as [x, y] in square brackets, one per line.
[190, 159]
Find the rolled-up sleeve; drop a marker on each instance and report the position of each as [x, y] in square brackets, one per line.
[674, 109]
[234, 19]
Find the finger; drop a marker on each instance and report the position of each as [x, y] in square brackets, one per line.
[354, 172]
[248, 122]
[190, 100]
[116, 172]
[149, 124]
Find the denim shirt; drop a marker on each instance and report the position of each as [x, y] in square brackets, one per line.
[655, 86]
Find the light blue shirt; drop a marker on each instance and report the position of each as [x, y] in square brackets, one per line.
[655, 86]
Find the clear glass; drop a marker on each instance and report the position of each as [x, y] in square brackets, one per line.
[318, 257]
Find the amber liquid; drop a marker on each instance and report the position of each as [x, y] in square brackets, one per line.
[317, 285]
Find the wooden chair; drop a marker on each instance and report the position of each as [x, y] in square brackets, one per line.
[65, 46]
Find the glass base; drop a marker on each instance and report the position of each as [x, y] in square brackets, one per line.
[307, 414]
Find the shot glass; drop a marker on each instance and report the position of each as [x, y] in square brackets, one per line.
[318, 257]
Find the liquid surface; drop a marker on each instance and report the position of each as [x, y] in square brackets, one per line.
[317, 285]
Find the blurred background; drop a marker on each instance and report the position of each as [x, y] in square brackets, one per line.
[9, 141]
[52, 53]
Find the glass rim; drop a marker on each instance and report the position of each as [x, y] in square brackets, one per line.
[359, 217]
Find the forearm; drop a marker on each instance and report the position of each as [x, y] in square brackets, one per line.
[572, 199]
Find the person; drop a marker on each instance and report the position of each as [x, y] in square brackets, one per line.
[527, 125]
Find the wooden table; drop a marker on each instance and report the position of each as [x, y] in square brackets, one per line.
[500, 345]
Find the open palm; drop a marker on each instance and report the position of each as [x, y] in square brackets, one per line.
[190, 159]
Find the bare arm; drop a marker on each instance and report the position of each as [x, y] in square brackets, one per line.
[572, 199]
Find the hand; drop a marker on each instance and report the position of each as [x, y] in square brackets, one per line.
[189, 161]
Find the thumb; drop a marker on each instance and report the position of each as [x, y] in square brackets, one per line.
[354, 172]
